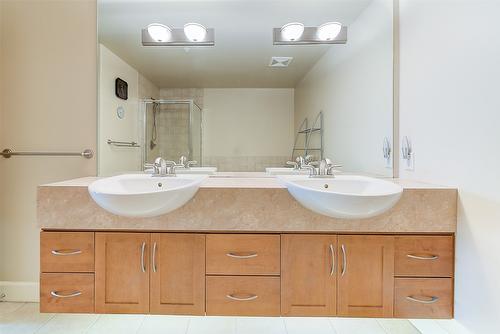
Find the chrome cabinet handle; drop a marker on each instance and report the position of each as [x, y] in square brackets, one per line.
[344, 260]
[57, 294]
[332, 254]
[143, 265]
[154, 257]
[430, 300]
[420, 257]
[64, 252]
[236, 256]
[251, 297]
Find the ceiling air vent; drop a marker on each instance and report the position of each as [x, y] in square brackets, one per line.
[280, 61]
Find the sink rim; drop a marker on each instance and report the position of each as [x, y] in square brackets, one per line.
[194, 178]
[289, 179]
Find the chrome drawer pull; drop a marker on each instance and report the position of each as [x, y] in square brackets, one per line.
[237, 256]
[252, 297]
[429, 300]
[64, 252]
[57, 294]
[143, 266]
[154, 257]
[420, 257]
[332, 254]
[344, 261]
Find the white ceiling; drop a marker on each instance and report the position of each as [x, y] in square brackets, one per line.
[243, 35]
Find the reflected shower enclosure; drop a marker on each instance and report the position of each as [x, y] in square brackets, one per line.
[171, 129]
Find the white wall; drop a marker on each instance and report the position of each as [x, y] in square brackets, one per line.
[114, 159]
[352, 85]
[450, 107]
[248, 121]
[48, 103]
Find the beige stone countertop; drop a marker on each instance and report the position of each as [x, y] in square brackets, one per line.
[244, 180]
[248, 203]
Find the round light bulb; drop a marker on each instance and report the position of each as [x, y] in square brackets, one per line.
[328, 31]
[159, 32]
[195, 32]
[292, 31]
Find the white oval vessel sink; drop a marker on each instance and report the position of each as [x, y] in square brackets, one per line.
[142, 195]
[345, 196]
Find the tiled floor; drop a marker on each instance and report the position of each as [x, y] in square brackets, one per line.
[24, 318]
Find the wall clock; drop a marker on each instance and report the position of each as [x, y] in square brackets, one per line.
[121, 89]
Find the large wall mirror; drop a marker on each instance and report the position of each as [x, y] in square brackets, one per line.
[241, 90]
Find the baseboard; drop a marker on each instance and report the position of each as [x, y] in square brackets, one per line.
[19, 291]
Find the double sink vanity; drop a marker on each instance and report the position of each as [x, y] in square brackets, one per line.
[248, 244]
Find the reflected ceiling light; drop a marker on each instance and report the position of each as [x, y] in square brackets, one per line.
[195, 32]
[328, 31]
[292, 31]
[159, 32]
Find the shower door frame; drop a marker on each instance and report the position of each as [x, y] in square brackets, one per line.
[192, 104]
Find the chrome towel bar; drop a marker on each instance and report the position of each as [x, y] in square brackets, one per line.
[123, 143]
[88, 153]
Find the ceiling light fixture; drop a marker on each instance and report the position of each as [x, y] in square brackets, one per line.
[195, 32]
[296, 34]
[159, 32]
[328, 31]
[292, 31]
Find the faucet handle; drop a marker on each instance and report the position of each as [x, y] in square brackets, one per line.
[292, 163]
[192, 163]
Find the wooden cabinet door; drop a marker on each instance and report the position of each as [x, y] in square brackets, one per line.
[122, 272]
[178, 273]
[365, 276]
[308, 275]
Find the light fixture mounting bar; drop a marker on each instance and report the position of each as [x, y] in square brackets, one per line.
[309, 36]
[179, 38]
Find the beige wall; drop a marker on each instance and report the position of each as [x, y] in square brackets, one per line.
[247, 128]
[49, 63]
[113, 159]
[352, 85]
[449, 107]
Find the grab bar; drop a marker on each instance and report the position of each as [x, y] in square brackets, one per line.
[123, 143]
[88, 153]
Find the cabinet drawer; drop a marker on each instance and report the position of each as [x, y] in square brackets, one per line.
[423, 298]
[424, 256]
[243, 295]
[68, 293]
[249, 254]
[67, 251]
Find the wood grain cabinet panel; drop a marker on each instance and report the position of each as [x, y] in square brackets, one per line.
[68, 293]
[308, 277]
[243, 254]
[424, 256]
[178, 273]
[66, 252]
[366, 276]
[122, 272]
[243, 295]
[423, 298]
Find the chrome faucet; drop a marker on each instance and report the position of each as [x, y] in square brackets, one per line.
[325, 169]
[300, 162]
[184, 162]
[162, 167]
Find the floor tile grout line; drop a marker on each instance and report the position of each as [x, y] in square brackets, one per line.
[92, 324]
[330, 323]
[188, 324]
[142, 322]
[37, 330]
[382, 326]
